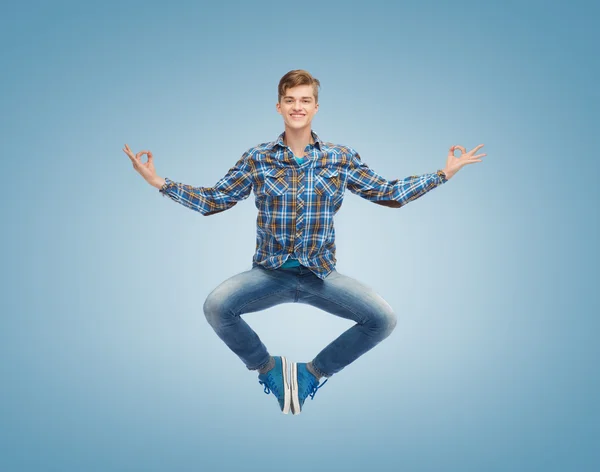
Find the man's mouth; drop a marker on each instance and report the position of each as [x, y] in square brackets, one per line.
[297, 115]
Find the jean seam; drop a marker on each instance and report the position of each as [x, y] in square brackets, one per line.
[319, 371]
[261, 365]
[335, 302]
[257, 299]
[270, 274]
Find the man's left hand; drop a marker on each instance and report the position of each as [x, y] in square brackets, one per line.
[454, 164]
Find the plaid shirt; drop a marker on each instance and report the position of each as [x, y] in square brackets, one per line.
[297, 201]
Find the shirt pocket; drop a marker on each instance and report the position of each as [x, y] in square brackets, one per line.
[327, 182]
[275, 183]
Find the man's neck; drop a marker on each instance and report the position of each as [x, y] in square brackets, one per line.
[297, 140]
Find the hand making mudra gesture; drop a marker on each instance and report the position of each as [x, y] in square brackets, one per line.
[453, 163]
[145, 169]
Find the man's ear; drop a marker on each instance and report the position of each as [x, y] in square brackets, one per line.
[278, 107]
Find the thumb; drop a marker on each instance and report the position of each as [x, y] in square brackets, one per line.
[140, 154]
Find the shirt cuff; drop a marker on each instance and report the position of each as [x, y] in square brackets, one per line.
[165, 186]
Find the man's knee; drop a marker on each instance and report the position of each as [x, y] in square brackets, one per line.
[382, 322]
[392, 321]
[389, 321]
[386, 321]
[213, 309]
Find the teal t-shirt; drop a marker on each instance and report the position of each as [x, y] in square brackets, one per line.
[292, 261]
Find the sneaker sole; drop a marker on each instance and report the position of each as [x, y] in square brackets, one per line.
[286, 386]
[294, 389]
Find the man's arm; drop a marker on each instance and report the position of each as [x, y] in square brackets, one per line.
[366, 183]
[236, 185]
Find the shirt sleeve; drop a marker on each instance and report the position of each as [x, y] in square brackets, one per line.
[236, 185]
[369, 185]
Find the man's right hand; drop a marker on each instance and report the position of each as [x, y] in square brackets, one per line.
[145, 169]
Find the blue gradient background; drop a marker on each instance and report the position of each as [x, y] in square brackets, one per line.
[106, 360]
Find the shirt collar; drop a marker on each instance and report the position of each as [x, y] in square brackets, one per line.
[279, 141]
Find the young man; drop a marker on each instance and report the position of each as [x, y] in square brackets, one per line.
[299, 183]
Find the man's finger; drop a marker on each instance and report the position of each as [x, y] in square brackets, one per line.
[476, 148]
[129, 155]
[149, 156]
[463, 150]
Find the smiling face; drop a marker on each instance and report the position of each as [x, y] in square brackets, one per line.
[298, 106]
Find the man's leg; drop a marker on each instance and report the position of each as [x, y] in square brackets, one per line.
[254, 290]
[348, 298]
[250, 291]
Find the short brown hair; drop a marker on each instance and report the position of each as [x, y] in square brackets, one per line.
[298, 77]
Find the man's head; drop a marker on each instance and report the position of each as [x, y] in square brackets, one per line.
[298, 98]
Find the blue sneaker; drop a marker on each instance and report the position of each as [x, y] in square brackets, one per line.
[276, 381]
[303, 384]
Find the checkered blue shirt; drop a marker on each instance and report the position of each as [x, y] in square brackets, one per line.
[297, 201]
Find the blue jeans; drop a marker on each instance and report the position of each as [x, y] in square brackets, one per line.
[260, 288]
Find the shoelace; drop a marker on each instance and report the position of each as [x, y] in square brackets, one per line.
[267, 388]
[313, 389]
